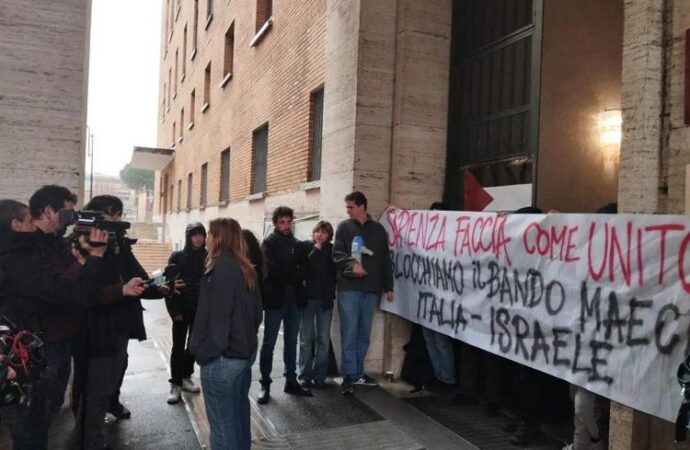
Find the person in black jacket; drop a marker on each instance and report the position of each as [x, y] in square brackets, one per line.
[281, 298]
[32, 288]
[182, 307]
[224, 336]
[113, 317]
[319, 293]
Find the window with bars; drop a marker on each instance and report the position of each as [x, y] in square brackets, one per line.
[259, 159]
[190, 189]
[225, 175]
[204, 184]
[316, 134]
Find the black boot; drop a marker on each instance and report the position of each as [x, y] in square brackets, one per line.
[293, 388]
[264, 394]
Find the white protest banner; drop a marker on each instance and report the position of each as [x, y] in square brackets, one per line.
[601, 301]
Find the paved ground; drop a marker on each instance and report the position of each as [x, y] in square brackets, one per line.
[374, 418]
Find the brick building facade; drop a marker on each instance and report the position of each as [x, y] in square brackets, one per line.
[43, 89]
[388, 72]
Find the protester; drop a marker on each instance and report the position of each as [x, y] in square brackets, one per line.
[362, 276]
[439, 345]
[319, 293]
[114, 316]
[224, 335]
[281, 297]
[254, 254]
[182, 308]
[587, 406]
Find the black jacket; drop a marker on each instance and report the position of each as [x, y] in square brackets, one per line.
[320, 274]
[110, 315]
[229, 314]
[191, 263]
[284, 258]
[378, 266]
[38, 285]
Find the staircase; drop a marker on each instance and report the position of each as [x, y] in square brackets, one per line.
[152, 255]
[144, 231]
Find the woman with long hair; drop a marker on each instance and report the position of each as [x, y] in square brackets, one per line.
[224, 335]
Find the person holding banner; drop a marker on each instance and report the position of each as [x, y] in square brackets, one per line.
[364, 272]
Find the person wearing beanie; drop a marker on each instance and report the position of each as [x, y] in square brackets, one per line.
[181, 306]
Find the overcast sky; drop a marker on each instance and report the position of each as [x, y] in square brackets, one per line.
[123, 79]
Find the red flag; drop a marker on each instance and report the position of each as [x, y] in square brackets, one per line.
[476, 198]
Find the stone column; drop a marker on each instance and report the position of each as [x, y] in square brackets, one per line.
[385, 120]
[641, 168]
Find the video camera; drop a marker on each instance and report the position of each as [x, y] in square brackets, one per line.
[23, 352]
[85, 221]
[165, 277]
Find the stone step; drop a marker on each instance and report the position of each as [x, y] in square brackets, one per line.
[152, 255]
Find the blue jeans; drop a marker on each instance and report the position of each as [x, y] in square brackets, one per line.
[225, 386]
[356, 314]
[290, 315]
[314, 341]
[441, 354]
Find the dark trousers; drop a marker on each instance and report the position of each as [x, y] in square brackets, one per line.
[115, 399]
[103, 374]
[181, 361]
[29, 425]
[290, 316]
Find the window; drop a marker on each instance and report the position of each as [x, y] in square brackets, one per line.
[171, 19]
[170, 199]
[174, 132]
[225, 175]
[192, 105]
[316, 134]
[259, 157]
[207, 88]
[229, 54]
[195, 27]
[181, 125]
[190, 189]
[179, 195]
[165, 90]
[184, 52]
[264, 11]
[177, 51]
[204, 182]
[163, 204]
[209, 9]
[169, 86]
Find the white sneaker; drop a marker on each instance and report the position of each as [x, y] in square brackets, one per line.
[189, 386]
[175, 394]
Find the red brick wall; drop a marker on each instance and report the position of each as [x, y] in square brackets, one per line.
[272, 82]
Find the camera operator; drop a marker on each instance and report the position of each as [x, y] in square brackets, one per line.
[110, 325]
[37, 293]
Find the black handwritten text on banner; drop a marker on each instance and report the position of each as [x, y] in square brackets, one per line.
[602, 301]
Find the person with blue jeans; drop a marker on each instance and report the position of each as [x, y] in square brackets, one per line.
[224, 335]
[364, 272]
[319, 292]
[282, 289]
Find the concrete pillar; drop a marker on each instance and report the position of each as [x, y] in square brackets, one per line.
[385, 120]
[644, 148]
